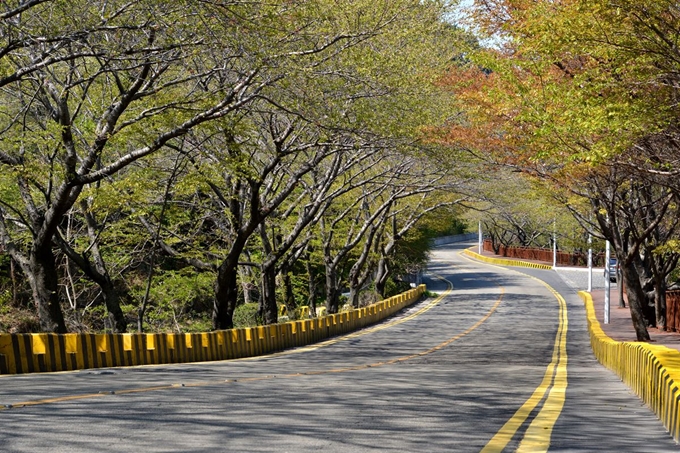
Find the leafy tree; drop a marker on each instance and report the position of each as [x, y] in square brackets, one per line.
[518, 211]
[206, 123]
[301, 122]
[89, 89]
[571, 93]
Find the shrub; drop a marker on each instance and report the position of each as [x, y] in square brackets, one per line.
[392, 287]
[245, 315]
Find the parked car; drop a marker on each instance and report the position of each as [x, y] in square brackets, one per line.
[613, 270]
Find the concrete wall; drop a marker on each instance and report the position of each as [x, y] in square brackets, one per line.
[455, 238]
[29, 353]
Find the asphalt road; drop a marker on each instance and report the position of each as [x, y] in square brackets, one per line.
[497, 362]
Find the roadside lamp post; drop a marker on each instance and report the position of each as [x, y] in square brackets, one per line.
[554, 243]
[590, 261]
[619, 285]
[607, 283]
[480, 237]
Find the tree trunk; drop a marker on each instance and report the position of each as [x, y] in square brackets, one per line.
[248, 289]
[102, 277]
[636, 298]
[251, 292]
[112, 301]
[312, 288]
[268, 309]
[354, 285]
[660, 302]
[354, 295]
[332, 290]
[43, 280]
[381, 277]
[495, 246]
[226, 292]
[99, 274]
[12, 273]
[289, 299]
[141, 310]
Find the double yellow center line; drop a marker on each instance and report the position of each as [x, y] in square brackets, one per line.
[537, 436]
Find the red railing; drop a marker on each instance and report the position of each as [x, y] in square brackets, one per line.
[581, 259]
[545, 255]
[673, 311]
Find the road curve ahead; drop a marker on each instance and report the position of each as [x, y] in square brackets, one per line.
[498, 361]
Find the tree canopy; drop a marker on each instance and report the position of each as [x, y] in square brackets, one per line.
[582, 94]
[162, 161]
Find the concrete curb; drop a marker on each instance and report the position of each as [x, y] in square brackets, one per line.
[651, 371]
[39, 352]
[505, 261]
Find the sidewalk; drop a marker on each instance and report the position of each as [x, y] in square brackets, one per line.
[620, 326]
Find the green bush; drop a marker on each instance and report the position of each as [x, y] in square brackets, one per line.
[246, 315]
[177, 301]
[202, 323]
[392, 288]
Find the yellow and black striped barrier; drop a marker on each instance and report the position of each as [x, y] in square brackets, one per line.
[651, 371]
[505, 261]
[38, 352]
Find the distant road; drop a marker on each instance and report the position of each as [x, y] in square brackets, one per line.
[497, 362]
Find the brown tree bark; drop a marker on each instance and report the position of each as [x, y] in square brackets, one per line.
[42, 277]
[381, 276]
[226, 287]
[636, 299]
[332, 290]
[268, 307]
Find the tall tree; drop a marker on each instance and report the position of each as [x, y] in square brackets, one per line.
[570, 86]
[90, 89]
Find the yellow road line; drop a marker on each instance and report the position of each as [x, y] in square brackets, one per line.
[554, 383]
[54, 400]
[537, 436]
[377, 328]
[501, 439]
[308, 373]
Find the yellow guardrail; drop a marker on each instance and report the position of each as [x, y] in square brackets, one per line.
[651, 371]
[37, 352]
[505, 261]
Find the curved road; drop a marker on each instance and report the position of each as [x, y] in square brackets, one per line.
[499, 361]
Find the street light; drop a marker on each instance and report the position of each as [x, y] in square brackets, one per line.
[607, 283]
[480, 237]
[554, 242]
[590, 261]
